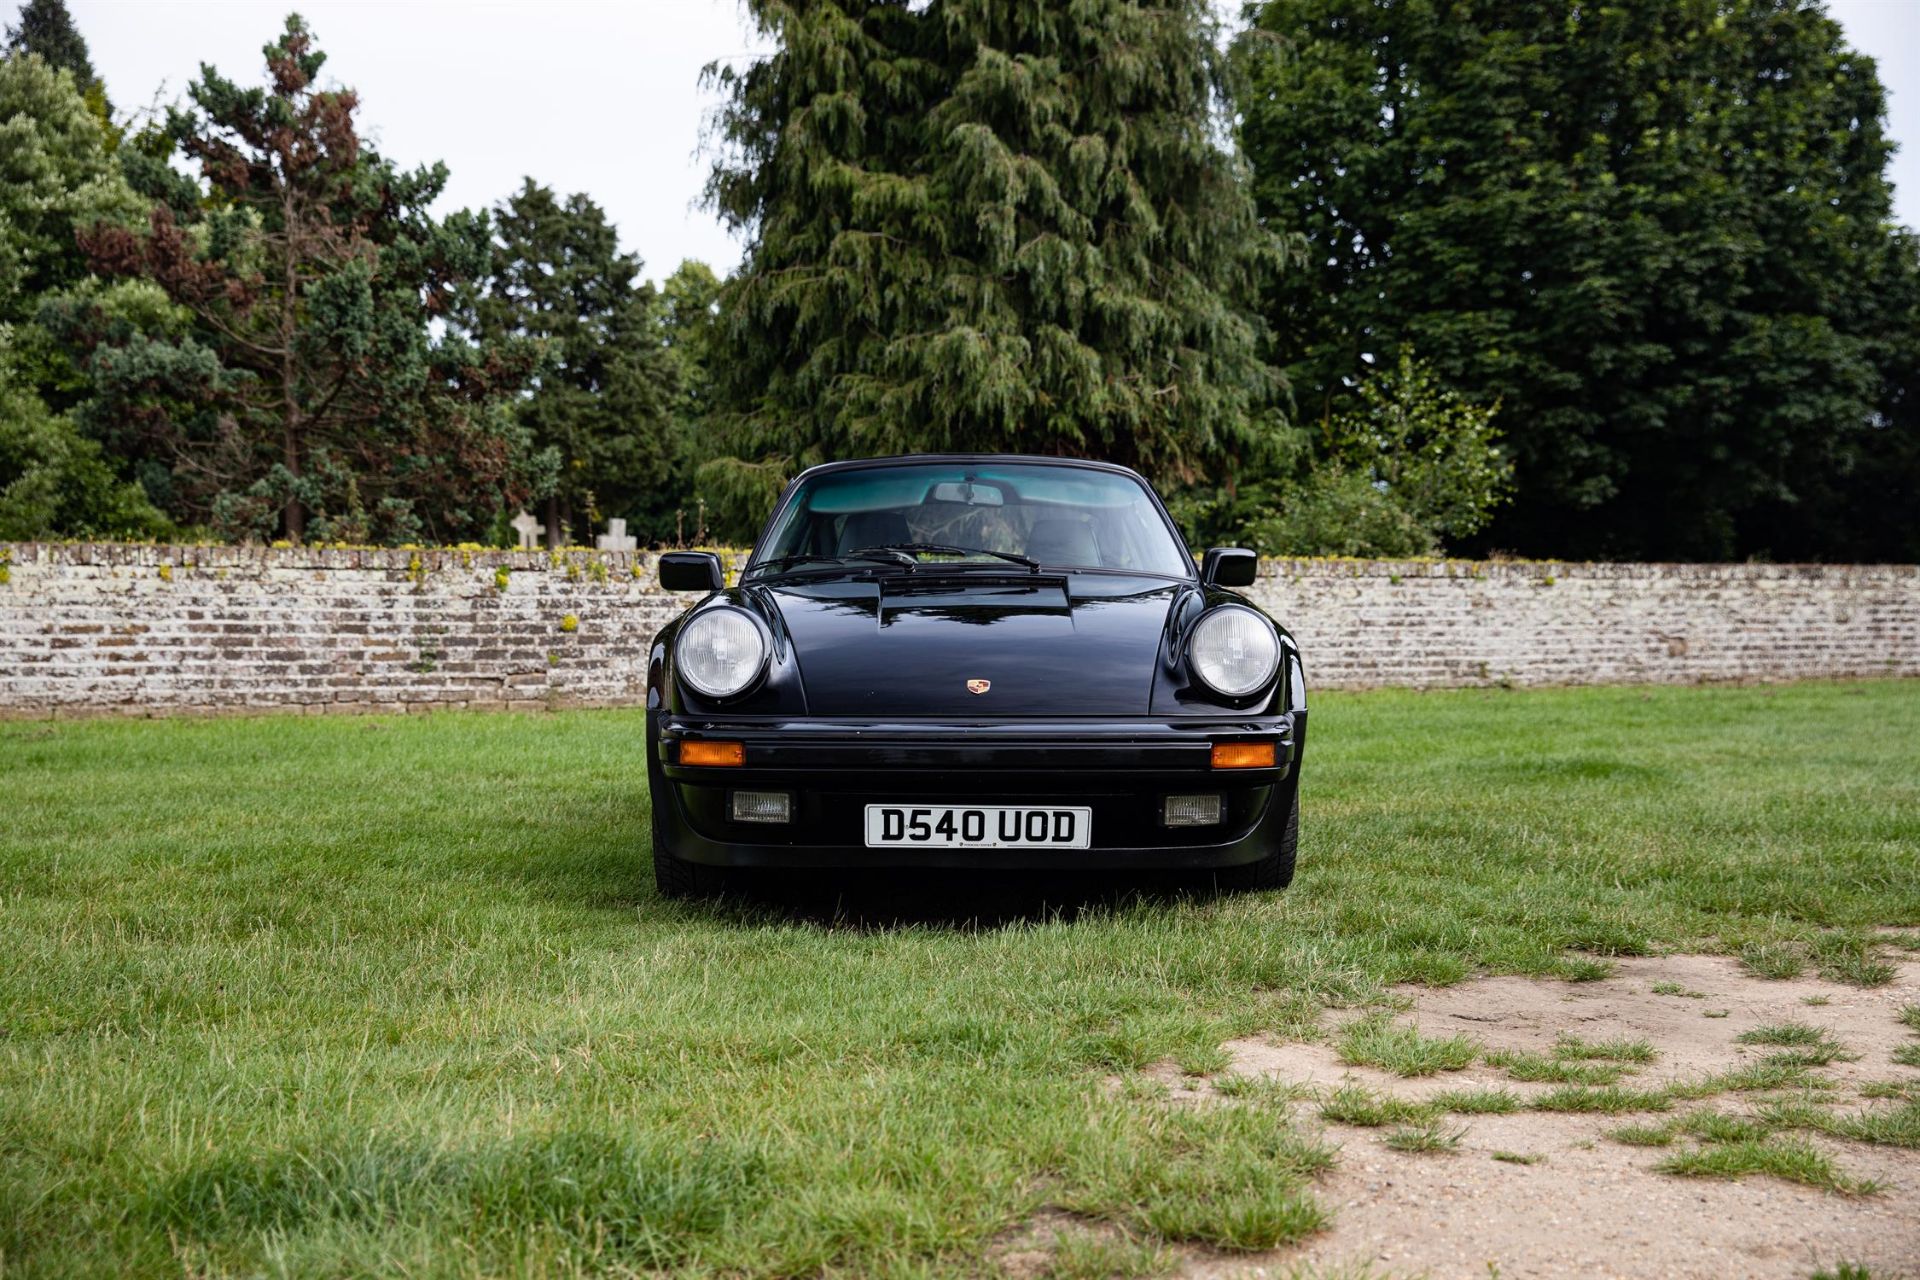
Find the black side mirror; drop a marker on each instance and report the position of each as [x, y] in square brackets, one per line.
[1229, 567]
[692, 571]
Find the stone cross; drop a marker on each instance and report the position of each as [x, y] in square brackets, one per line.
[616, 538]
[529, 530]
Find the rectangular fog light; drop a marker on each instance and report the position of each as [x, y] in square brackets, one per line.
[762, 806]
[1191, 811]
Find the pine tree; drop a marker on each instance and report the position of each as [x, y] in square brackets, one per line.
[312, 398]
[984, 225]
[603, 400]
[47, 29]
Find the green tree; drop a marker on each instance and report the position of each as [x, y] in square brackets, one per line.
[983, 224]
[54, 482]
[603, 401]
[46, 28]
[56, 174]
[1656, 232]
[1406, 468]
[311, 396]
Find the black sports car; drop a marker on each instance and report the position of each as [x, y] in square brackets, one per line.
[973, 661]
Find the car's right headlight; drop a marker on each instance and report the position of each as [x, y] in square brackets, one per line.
[1234, 651]
[721, 651]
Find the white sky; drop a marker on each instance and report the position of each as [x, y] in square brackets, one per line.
[605, 97]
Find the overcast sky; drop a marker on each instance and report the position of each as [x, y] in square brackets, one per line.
[605, 97]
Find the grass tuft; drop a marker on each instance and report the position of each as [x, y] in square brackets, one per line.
[1643, 1135]
[1775, 1071]
[1896, 1089]
[1783, 1033]
[1378, 1041]
[1426, 1138]
[1261, 1089]
[1476, 1102]
[1675, 989]
[1230, 1177]
[1776, 961]
[1717, 1126]
[1357, 1105]
[1571, 1048]
[1537, 1068]
[1610, 1100]
[1807, 1046]
[1090, 1255]
[1910, 1016]
[1907, 1055]
[1882, 1126]
[1777, 1157]
[1584, 969]
[1852, 958]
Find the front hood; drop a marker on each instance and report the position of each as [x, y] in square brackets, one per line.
[907, 645]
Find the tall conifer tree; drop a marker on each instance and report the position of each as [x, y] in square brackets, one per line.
[985, 224]
[605, 394]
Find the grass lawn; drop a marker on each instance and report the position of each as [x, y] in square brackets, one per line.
[355, 996]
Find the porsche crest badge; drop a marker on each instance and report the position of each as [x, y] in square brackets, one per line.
[979, 686]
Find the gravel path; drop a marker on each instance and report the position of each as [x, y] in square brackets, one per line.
[1590, 1206]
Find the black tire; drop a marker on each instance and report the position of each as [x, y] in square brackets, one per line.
[676, 877]
[1275, 871]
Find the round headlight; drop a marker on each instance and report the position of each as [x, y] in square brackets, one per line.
[720, 652]
[1234, 651]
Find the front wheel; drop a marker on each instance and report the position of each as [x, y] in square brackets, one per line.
[674, 877]
[1275, 871]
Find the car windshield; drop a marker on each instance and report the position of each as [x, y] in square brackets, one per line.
[1056, 516]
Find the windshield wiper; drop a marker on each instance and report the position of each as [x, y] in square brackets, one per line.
[941, 548]
[777, 563]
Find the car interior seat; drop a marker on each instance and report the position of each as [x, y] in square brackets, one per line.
[1062, 542]
[873, 529]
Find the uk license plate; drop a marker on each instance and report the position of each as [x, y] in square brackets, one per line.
[978, 827]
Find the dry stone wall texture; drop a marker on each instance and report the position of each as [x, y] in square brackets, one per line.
[157, 630]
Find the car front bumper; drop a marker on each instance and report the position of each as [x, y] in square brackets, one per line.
[834, 767]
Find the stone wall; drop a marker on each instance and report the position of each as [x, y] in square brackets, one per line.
[109, 629]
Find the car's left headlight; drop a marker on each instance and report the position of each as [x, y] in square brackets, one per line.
[721, 651]
[1234, 651]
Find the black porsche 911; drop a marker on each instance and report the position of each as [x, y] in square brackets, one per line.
[981, 661]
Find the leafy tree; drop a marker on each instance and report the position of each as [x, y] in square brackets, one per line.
[604, 398]
[1656, 232]
[54, 482]
[983, 224]
[1405, 467]
[55, 174]
[46, 29]
[1437, 454]
[310, 396]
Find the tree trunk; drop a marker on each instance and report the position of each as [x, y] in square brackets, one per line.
[295, 514]
[290, 421]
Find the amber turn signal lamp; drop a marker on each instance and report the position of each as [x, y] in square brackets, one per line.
[1243, 755]
[717, 753]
